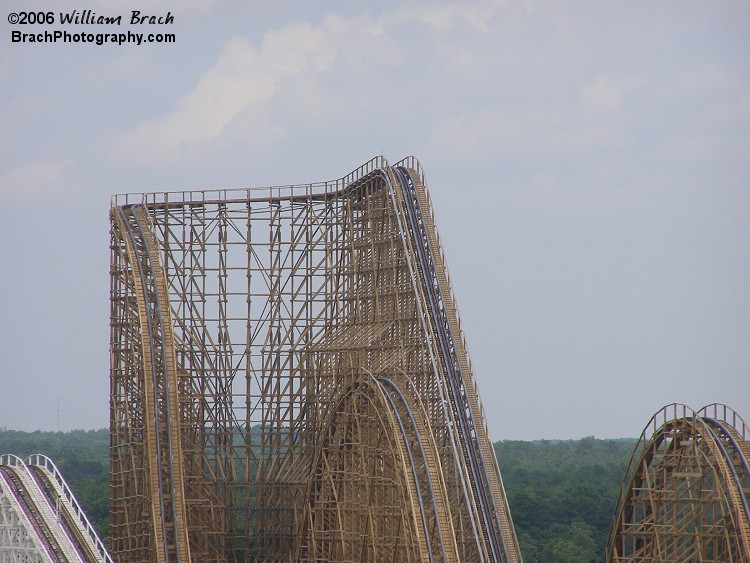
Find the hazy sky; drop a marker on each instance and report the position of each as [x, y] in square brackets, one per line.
[589, 164]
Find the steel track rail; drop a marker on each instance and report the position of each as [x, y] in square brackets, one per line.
[388, 388]
[64, 519]
[374, 392]
[469, 456]
[143, 256]
[150, 430]
[732, 477]
[397, 197]
[439, 507]
[412, 466]
[481, 490]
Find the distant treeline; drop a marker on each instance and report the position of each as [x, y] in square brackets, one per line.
[561, 493]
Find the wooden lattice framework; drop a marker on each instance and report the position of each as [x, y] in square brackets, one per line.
[686, 493]
[290, 382]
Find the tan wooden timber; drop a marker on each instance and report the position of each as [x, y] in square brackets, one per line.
[296, 379]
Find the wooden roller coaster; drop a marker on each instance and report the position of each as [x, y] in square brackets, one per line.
[685, 495]
[290, 382]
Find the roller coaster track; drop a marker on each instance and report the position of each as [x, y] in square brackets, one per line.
[163, 442]
[401, 418]
[483, 475]
[49, 523]
[686, 493]
[425, 469]
[335, 415]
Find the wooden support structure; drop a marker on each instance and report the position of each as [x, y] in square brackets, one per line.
[289, 380]
[686, 493]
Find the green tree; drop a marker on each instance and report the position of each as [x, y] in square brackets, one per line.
[559, 489]
[574, 545]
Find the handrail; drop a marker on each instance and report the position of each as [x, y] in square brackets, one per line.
[43, 462]
[724, 419]
[728, 415]
[262, 193]
[40, 504]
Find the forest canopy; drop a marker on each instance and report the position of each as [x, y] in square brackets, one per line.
[561, 493]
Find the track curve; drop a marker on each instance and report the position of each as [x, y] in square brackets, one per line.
[685, 494]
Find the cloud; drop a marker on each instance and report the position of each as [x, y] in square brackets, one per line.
[232, 85]
[444, 17]
[256, 92]
[606, 92]
[154, 6]
[32, 182]
[243, 82]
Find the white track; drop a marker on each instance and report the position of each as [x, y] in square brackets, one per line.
[35, 501]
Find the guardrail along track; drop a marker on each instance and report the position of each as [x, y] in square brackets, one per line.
[46, 519]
